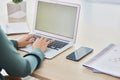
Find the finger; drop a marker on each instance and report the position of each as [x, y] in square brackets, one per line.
[43, 39]
[37, 39]
[52, 41]
[31, 35]
[34, 36]
[49, 41]
[27, 37]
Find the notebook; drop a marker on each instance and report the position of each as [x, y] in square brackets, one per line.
[106, 61]
[58, 21]
[15, 28]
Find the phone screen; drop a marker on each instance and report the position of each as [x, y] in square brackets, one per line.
[79, 53]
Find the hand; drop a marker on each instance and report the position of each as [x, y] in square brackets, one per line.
[41, 43]
[24, 41]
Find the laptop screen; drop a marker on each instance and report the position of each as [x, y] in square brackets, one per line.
[56, 19]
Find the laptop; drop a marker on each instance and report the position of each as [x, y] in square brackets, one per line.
[58, 21]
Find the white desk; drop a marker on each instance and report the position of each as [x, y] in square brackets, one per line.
[99, 26]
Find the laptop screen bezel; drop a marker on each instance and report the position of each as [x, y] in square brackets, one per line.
[53, 35]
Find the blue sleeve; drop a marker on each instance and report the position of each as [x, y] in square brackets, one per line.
[15, 43]
[38, 54]
[13, 62]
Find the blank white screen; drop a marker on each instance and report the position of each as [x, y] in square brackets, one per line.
[56, 19]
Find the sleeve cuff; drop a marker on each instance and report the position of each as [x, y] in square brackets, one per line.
[38, 54]
[15, 43]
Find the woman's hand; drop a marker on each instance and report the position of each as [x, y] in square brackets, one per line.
[42, 43]
[24, 41]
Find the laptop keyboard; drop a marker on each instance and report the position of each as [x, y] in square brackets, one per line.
[56, 44]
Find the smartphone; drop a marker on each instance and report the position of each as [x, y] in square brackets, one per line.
[79, 53]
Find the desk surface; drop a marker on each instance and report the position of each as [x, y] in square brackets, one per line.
[98, 27]
[60, 68]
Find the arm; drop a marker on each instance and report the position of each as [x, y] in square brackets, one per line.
[36, 53]
[14, 63]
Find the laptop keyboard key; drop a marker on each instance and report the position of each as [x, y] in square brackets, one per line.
[57, 45]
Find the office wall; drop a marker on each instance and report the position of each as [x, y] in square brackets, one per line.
[99, 22]
[105, 1]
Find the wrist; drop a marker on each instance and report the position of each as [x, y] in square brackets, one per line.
[19, 44]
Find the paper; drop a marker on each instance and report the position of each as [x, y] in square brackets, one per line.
[15, 28]
[107, 61]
